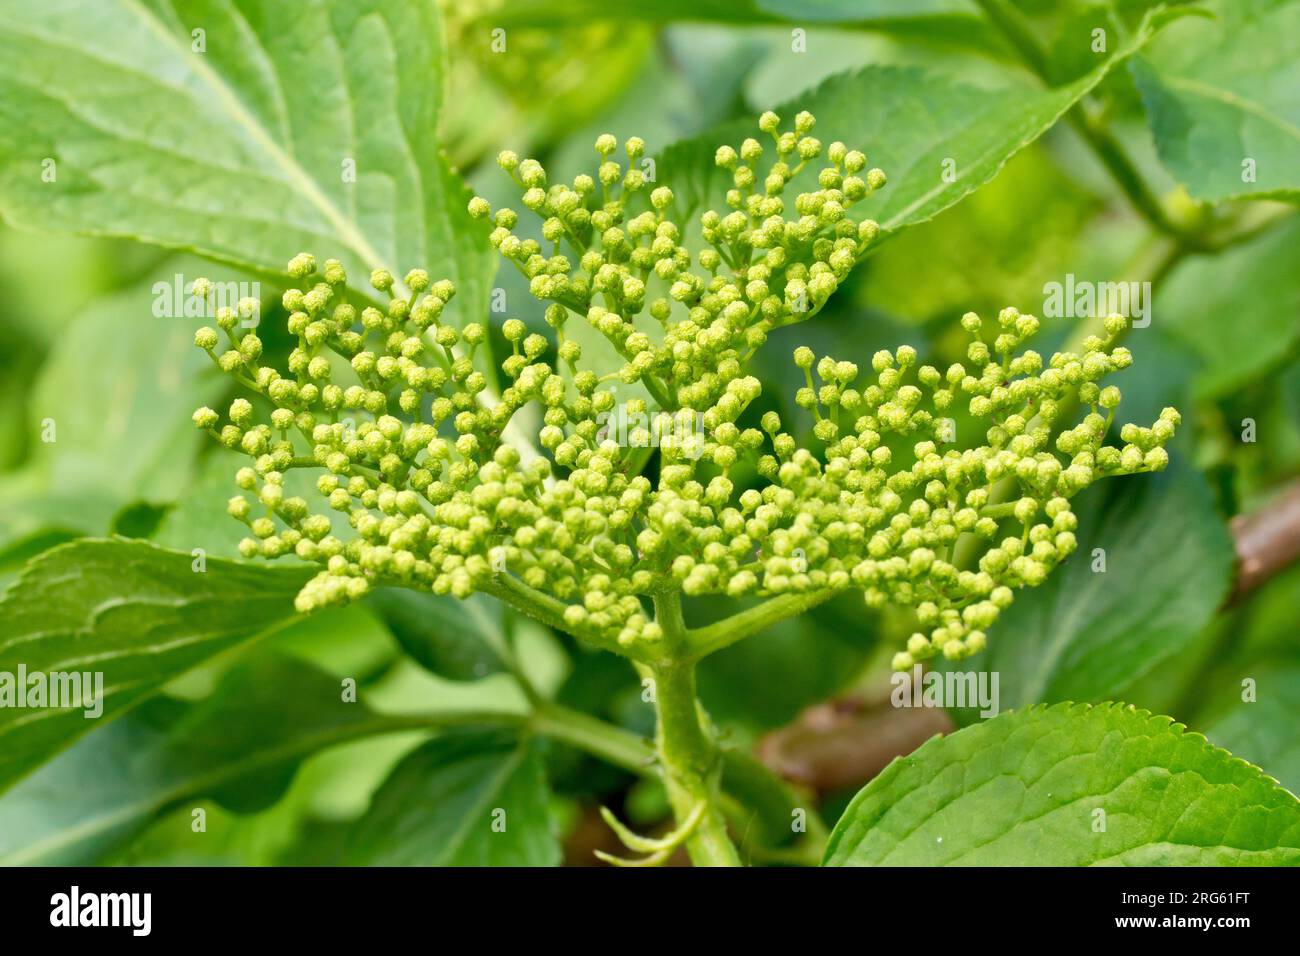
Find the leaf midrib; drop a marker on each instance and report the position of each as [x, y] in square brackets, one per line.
[495, 785]
[236, 110]
[267, 758]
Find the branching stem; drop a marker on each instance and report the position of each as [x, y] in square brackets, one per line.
[714, 637]
[688, 752]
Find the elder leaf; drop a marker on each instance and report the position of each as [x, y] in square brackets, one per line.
[130, 611]
[1069, 785]
[244, 130]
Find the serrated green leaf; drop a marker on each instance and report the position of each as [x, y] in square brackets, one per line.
[244, 130]
[130, 611]
[915, 124]
[1069, 785]
[975, 258]
[459, 640]
[1093, 635]
[1220, 97]
[466, 798]
[1261, 729]
[240, 746]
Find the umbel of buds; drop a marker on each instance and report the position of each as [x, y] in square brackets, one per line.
[389, 407]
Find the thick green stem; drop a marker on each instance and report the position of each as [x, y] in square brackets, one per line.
[688, 753]
[692, 765]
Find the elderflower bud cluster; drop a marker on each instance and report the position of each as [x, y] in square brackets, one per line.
[411, 447]
[761, 270]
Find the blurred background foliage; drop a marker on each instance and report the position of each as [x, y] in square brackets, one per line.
[79, 345]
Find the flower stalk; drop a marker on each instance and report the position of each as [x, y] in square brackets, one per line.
[687, 748]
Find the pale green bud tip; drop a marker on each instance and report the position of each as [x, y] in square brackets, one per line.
[206, 339]
[508, 159]
[301, 265]
[803, 357]
[205, 418]
[480, 208]
[769, 122]
[381, 279]
[606, 143]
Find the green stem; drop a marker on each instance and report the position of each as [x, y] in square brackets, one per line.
[544, 608]
[1103, 143]
[703, 641]
[688, 753]
[612, 744]
[691, 763]
[657, 392]
[444, 720]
